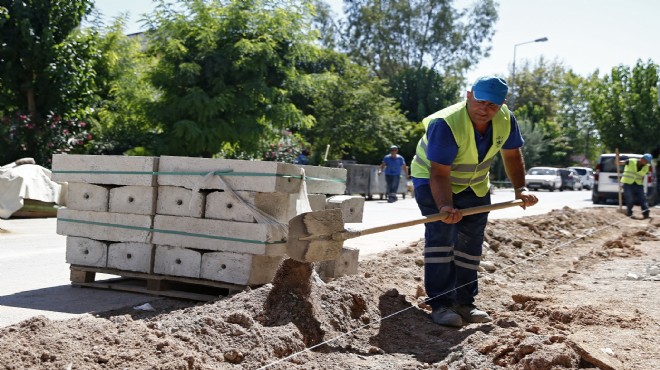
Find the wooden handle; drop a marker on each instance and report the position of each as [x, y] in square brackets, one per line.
[349, 234]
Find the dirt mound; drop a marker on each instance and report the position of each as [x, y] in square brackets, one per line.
[558, 295]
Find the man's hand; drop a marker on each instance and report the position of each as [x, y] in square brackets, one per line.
[528, 198]
[453, 214]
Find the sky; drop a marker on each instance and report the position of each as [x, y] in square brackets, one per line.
[583, 35]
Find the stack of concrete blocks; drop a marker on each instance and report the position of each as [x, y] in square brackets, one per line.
[352, 209]
[191, 223]
[212, 234]
[111, 203]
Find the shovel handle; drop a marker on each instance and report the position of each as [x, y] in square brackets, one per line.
[349, 234]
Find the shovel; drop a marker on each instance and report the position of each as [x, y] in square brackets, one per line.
[319, 236]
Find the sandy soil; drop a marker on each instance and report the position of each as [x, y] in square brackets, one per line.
[570, 289]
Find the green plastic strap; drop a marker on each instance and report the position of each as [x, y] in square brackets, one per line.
[166, 231]
[219, 173]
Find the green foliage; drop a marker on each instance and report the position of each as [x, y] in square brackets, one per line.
[538, 99]
[352, 110]
[421, 92]
[21, 136]
[46, 63]
[124, 90]
[575, 119]
[624, 106]
[286, 149]
[224, 73]
[388, 35]
[535, 144]
[47, 66]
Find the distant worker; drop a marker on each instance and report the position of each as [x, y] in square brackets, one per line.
[303, 157]
[633, 183]
[451, 172]
[393, 164]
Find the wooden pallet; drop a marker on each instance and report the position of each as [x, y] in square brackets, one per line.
[154, 284]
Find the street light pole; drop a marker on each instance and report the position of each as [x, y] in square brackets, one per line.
[513, 74]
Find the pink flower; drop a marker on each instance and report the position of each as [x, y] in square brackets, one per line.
[65, 132]
[89, 136]
[81, 124]
[23, 117]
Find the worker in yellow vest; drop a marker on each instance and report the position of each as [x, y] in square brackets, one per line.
[633, 183]
[450, 172]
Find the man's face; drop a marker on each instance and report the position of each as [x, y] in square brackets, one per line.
[393, 151]
[481, 111]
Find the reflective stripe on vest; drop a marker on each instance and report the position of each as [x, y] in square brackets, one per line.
[631, 175]
[466, 169]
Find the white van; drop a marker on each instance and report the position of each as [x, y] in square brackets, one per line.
[606, 183]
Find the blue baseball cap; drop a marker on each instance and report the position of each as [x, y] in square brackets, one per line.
[648, 157]
[490, 88]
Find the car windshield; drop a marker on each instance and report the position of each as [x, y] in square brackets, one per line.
[581, 171]
[542, 171]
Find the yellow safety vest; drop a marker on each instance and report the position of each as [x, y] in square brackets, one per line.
[631, 175]
[466, 169]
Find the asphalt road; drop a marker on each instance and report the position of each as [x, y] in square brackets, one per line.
[34, 277]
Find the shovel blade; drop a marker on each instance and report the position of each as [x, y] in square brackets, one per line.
[316, 229]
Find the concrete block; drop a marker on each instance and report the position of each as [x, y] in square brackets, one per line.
[239, 268]
[325, 180]
[176, 261]
[178, 201]
[87, 197]
[346, 264]
[219, 235]
[106, 226]
[258, 176]
[105, 169]
[352, 206]
[139, 200]
[317, 201]
[86, 252]
[131, 256]
[222, 205]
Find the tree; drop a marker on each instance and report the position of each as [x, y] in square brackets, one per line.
[121, 119]
[421, 92]
[389, 35]
[46, 79]
[574, 117]
[225, 72]
[45, 62]
[353, 113]
[624, 108]
[537, 101]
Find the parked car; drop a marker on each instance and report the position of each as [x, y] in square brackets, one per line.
[543, 178]
[570, 180]
[586, 176]
[606, 183]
